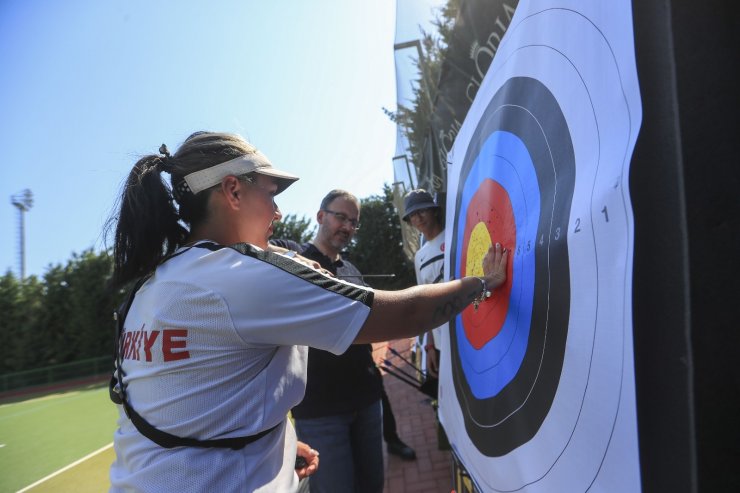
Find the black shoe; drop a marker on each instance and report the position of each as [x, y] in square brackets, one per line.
[397, 447]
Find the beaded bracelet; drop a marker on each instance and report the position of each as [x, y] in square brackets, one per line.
[484, 294]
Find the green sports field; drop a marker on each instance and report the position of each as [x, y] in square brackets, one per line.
[43, 435]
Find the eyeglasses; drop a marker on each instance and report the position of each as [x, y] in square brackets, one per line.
[353, 223]
[419, 212]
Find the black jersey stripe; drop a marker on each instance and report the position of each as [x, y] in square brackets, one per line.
[431, 260]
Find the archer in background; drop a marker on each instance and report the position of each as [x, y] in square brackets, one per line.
[426, 216]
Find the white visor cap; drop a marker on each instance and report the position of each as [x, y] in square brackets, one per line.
[254, 162]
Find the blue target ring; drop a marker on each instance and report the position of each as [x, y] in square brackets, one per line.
[503, 158]
[506, 388]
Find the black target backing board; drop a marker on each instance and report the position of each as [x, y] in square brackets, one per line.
[537, 387]
[684, 182]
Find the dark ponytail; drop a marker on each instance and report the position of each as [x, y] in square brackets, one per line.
[148, 227]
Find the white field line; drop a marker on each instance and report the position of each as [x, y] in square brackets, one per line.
[65, 468]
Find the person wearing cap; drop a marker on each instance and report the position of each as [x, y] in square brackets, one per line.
[426, 217]
[340, 414]
[212, 347]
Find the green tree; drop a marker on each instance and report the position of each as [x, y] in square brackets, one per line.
[91, 304]
[10, 322]
[292, 228]
[76, 318]
[377, 247]
[53, 327]
[21, 303]
[66, 316]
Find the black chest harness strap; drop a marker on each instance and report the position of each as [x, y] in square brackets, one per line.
[117, 390]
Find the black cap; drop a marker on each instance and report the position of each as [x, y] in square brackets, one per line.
[416, 200]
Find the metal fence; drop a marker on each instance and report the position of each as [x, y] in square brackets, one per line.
[56, 374]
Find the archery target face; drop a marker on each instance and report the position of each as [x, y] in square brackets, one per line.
[501, 367]
[538, 370]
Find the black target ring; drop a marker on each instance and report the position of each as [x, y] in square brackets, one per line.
[497, 425]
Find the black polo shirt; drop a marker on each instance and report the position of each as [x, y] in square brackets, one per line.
[336, 384]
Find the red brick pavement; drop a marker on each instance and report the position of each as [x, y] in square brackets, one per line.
[431, 472]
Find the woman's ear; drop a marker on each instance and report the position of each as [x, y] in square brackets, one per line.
[231, 188]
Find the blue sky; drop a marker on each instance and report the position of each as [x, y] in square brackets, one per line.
[87, 87]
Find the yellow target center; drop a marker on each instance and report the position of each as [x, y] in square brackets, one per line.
[478, 245]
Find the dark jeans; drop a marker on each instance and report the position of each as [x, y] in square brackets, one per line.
[350, 450]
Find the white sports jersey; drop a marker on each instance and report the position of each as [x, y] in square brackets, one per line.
[429, 263]
[214, 347]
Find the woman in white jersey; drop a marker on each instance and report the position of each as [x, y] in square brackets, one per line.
[212, 352]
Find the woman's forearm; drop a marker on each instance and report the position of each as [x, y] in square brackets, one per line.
[413, 311]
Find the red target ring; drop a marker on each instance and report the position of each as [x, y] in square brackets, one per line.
[490, 219]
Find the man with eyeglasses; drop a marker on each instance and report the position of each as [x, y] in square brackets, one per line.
[340, 415]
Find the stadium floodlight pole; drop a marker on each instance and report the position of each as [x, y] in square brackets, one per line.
[23, 201]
